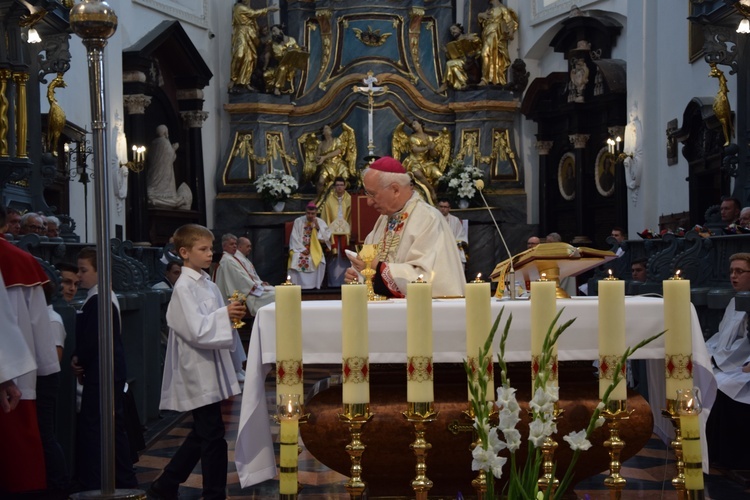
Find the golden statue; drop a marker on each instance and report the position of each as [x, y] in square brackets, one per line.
[330, 157]
[282, 59]
[56, 115]
[721, 105]
[426, 154]
[499, 25]
[460, 52]
[245, 43]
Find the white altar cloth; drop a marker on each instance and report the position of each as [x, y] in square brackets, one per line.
[321, 344]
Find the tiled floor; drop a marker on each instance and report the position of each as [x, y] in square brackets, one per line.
[648, 474]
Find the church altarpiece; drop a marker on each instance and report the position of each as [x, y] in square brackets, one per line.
[401, 46]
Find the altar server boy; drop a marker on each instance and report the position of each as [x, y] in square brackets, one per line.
[198, 369]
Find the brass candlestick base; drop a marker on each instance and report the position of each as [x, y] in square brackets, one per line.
[614, 414]
[678, 482]
[355, 416]
[548, 480]
[420, 414]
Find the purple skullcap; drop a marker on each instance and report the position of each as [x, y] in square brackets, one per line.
[388, 164]
[312, 205]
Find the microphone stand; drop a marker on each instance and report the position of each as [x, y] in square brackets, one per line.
[510, 276]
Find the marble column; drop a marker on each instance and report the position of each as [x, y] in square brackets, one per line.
[193, 121]
[543, 148]
[135, 131]
[583, 215]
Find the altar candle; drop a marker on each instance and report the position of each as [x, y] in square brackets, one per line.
[478, 326]
[355, 344]
[419, 387]
[678, 343]
[289, 340]
[691, 451]
[288, 455]
[543, 311]
[611, 335]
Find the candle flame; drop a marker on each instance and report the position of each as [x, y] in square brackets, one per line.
[676, 275]
[543, 277]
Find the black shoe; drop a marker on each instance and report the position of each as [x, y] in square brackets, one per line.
[157, 492]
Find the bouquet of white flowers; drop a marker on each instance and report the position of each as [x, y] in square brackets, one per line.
[276, 186]
[523, 483]
[460, 180]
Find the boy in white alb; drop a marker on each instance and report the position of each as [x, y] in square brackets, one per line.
[198, 369]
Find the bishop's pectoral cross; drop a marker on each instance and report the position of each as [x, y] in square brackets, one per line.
[371, 90]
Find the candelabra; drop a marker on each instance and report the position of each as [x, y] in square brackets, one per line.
[420, 414]
[678, 482]
[549, 446]
[355, 416]
[614, 414]
[138, 161]
[615, 147]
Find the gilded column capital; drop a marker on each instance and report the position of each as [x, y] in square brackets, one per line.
[543, 147]
[194, 119]
[579, 140]
[20, 78]
[136, 104]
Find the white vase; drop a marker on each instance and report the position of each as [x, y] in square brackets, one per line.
[279, 206]
[463, 203]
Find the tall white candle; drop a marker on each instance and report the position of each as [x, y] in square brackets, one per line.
[478, 326]
[611, 335]
[691, 451]
[355, 344]
[419, 388]
[678, 339]
[289, 340]
[543, 311]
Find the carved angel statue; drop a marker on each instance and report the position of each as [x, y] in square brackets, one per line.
[426, 154]
[330, 157]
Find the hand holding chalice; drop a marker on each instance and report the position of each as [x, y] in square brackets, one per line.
[237, 297]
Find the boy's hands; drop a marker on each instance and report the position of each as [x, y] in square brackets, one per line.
[236, 310]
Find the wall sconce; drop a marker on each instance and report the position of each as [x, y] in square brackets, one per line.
[743, 7]
[615, 146]
[138, 161]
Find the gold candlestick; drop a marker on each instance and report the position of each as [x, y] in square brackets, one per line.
[420, 414]
[355, 416]
[238, 296]
[678, 482]
[368, 253]
[548, 480]
[614, 414]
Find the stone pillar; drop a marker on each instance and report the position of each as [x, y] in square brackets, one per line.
[135, 131]
[193, 121]
[543, 148]
[583, 215]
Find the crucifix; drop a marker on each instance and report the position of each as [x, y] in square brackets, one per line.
[371, 90]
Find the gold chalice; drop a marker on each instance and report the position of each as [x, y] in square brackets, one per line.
[368, 253]
[238, 296]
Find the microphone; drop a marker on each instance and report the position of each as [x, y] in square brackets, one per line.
[511, 275]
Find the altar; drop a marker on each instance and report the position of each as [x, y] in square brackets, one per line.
[321, 339]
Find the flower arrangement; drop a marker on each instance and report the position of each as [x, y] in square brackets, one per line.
[460, 180]
[276, 186]
[523, 481]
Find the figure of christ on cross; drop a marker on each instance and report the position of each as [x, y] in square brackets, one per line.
[371, 90]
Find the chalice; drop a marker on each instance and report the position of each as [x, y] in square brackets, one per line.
[238, 296]
[368, 253]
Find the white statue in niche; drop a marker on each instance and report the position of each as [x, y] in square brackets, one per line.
[633, 145]
[160, 159]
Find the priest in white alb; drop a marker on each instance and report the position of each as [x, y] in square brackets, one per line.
[307, 263]
[412, 238]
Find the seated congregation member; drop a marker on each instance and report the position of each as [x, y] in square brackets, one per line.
[85, 364]
[729, 348]
[171, 273]
[198, 371]
[307, 263]
[412, 237]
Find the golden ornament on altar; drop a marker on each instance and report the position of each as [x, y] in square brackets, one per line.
[368, 253]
